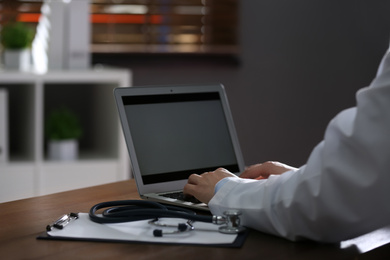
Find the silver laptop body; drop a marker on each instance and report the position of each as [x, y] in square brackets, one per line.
[174, 131]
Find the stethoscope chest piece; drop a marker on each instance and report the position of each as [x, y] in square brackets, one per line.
[232, 218]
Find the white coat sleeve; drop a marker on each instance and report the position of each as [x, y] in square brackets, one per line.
[343, 190]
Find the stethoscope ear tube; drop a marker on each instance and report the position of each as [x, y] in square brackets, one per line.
[180, 228]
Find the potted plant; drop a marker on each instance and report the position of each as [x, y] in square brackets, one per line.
[16, 39]
[63, 130]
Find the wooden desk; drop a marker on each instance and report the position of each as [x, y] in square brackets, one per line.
[22, 221]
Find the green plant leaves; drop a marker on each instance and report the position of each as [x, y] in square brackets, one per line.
[63, 124]
[16, 35]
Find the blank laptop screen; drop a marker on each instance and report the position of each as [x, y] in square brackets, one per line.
[179, 134]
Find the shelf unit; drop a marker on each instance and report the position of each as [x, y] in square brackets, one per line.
[103, 155]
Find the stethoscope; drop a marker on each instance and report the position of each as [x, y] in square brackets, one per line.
[135, 210]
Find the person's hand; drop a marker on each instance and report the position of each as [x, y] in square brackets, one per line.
[264, 170]
[202, 186]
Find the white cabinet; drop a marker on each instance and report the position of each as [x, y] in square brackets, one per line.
[102, 157]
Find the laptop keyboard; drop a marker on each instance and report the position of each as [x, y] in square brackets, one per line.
[180, 196]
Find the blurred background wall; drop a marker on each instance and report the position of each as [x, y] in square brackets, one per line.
[301, 62]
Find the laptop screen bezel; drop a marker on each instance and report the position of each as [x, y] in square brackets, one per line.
[122, 93]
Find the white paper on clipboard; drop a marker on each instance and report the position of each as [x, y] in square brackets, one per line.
[140, 231]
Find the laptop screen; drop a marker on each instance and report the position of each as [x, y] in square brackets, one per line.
[175, 135]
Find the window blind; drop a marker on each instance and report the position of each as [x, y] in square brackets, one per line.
[150, 26]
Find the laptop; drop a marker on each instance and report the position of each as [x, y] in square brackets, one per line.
[174, 131]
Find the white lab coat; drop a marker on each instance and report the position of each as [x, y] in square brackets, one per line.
[342, 192]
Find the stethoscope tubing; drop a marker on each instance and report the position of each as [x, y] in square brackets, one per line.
[135, 210]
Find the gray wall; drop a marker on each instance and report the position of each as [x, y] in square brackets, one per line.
[301, 63]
